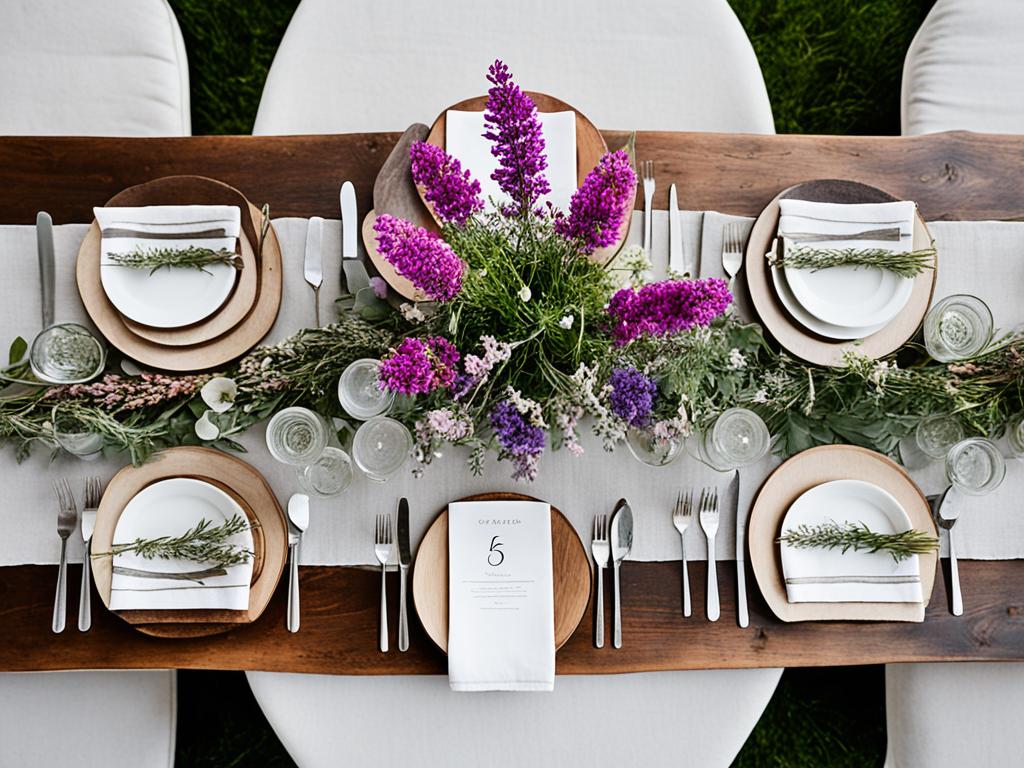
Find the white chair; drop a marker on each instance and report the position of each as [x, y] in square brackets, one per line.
[87, 719]
[954, 715]
[651, 719]
[100, 68]
[965, 69]
[380, 65]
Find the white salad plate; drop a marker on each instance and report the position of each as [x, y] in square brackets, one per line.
[799, 313]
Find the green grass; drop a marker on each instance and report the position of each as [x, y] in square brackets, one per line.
[831, 66]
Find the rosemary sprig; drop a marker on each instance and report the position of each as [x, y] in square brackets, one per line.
[189, 258]
[902, 264]
[204, 543]
[857, 536]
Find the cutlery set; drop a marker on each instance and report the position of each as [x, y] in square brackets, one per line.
[611, 545]
[67, 521]
[383, 546]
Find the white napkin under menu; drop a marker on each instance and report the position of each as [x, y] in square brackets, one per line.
[804, 216]
[464, 140]
[202, 226]
[501, 624]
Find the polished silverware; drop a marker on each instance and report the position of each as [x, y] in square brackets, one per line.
[601, 551]
[622, 542]
[709, 522]
[676, 261]
[682, 514]
[313, 266]
[886, 233]
[350, 264]
[67, 519]
[947, 523]
[47, 265]
[647, 169]
[404, 561]
[90, 505]
[732, 251]
[298, 521]
[742, 614]
[382, 543]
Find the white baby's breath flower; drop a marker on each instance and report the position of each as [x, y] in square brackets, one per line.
[737, 361]
[206, 429]
[219, 393]
[525, 294]
[761, 396]
[412, 313]
[566, 322]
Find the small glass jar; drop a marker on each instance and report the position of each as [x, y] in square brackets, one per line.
[296, 436]
[330, 475]
[739, 437]
[652, 450]
[957, 328]
[937, 433]
[67, 353]
[380, 447]
[975, 466]
[360, 393]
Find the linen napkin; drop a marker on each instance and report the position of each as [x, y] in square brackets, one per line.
[153, 513]
[464, 140]
[803, 217]
[501, 624]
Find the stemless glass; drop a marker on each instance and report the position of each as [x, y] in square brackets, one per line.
[329, 475]
[296, 436]
[67, 353]
[75, 438]
[654, 451]
[359, 390]
[975, 466]
[380, 447]
[937, 433]
[1015, 435]
[739, 437]
[958, 327]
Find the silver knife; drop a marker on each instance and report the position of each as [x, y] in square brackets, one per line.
[313, 267]
[622, 542]
[353, 269]
[47, 267]
[404, 561]
[741, 544]
[675, 234]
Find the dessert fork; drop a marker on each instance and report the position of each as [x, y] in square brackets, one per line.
[67, 519]
[681, 516]
[602, 551]
[382, 545]
[732, 251]
[91, 503]
[709, 522]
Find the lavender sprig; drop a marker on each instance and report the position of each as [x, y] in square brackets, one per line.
[453, 192]
[599, 207]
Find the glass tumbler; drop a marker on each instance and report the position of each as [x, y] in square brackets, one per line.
[296, 436]
[329, 475]
[958, 327]
[937, 433]
[652, 450]
[67, 353]
[380, 447]
[975, 466]
[359, 390]
[75, 438]
[738, 437]
[1015, 435]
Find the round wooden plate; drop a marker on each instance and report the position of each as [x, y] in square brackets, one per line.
[793, 336]
[247, 487]
[234, 339]
[803, 472]
[571, 564]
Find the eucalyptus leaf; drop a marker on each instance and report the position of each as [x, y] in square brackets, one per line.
[18, 349]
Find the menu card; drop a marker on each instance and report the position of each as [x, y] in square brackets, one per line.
[501, 621]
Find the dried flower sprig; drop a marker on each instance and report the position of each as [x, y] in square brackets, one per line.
[167, 258]
[203, 543]
[857, 536]
[903, 264]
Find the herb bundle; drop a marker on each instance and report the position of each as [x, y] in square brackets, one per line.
[168, 258]
[902, 264]
[204, 543]
[857, 536]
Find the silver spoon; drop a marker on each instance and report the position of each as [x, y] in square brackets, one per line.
[947, 523]
[298, 521]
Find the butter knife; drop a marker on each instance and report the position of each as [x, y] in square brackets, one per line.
[742, 618]
[313, 267]
[404, 561]
[353, 269]
[47, 268]
[622, 542]
[675, 234]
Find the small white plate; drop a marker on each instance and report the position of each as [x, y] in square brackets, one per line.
[850, 297]
[809, 321]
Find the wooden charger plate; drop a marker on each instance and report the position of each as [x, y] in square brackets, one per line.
[570, 562]
[227, 334]
[243, 483]
[793, 336]
[803, 472]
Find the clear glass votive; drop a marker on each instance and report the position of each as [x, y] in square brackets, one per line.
[937, 433]
[329, 475]
[296, 436]
[359, 390]
[67, 353]
[1015, 435]
[958, 327]
[738, 437]
[652, 450]
[75, 437]
[975, 466]
[380, 447]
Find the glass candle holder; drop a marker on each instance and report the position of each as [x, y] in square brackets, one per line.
[296, 436]
[937, 433]
[329, 475]
[359, 390]
[67, 353]
[75, 437]
[958, 327]
[975, 466]
[380, 447]
[652, 450]
[738, 437]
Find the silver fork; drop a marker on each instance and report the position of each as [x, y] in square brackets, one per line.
[732, 251]
[382, 544]
[709, 522]
[91, 503]
[647, 171]
[67, 519]
[602, 551]
[681, 516]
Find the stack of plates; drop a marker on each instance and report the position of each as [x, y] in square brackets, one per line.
[181, 319]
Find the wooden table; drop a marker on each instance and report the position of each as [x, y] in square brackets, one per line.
[951, 176]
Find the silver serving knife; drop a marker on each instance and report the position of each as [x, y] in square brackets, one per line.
[298, 521]
[742, 617]
[404, 561]
[47, 267]
[313, 267]
[675, 234]
[622, 542]
[354, 271]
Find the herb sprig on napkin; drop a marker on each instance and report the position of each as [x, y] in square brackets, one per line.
[203, 543]
[192, 257]
[857, 536]
[806, 257]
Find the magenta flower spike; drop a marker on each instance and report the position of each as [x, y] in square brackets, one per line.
[659, 309]
[598, 208]
[452, 191]
[419, 255]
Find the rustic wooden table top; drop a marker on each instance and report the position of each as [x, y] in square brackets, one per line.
[950, 175]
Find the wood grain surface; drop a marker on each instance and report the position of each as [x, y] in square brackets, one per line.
[951, 176]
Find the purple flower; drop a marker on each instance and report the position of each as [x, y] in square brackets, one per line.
[632, 396]
[599, 207]
[419, 366]
[454, 194]
[512, 124]
[520, 441]
[667, 307]
[380, 288]
[421, 256]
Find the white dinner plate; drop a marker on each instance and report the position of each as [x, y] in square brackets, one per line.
[809, 321]
[850, 297]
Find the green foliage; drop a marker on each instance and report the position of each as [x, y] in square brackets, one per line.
[853, 536]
